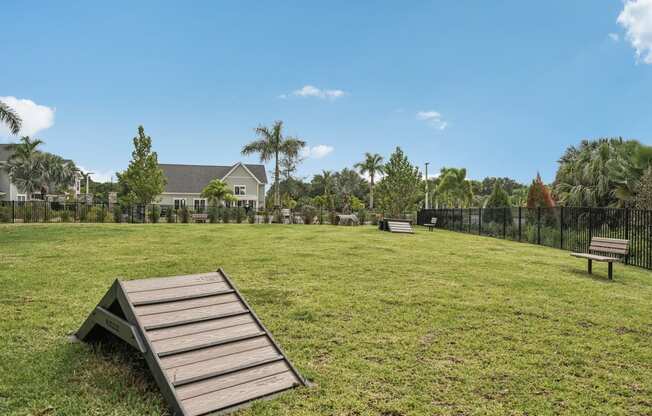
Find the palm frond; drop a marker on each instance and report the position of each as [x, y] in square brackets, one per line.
[9, 116]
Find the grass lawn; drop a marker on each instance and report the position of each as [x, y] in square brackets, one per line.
[383, 324]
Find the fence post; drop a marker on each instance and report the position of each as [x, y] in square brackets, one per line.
[519, 223]
[539, 225]
[590, 226]
[627, 231]
[479, 221]
[561, 228]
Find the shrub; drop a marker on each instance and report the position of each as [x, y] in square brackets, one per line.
[226, 215]
[64, 214]
[266, 217]
[362, 216]
[117, 214]
[308, 214]
[374, 219]
[5, 214]
[240, 214]
[213, 214]
[251, 216]
[185, 215]
[155, 214]
[332, 217]
[170, 215]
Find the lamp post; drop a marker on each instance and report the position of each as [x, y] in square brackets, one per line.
[427, 191]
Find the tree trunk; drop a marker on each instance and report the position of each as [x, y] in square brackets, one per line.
[371, 193]
[277, 193]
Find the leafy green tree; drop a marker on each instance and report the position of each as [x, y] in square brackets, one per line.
[454, 190]
[644, 194]
[271, 144]
[324, 184]
[372, 165]
[348, 183]
[143, 180]
[497, 199]
[399, 191]
[9, 117]
[217, 191]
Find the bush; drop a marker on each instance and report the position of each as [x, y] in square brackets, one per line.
[362, 216]
[251, 216]
[155, 214]
[170, 214]
[332, 217]
[308, 214]
[226, 215]
[240, 214]
[117, 214]
[374, 219]
[185, 215]
[5, 214]
[266, 217]
[213, 214]
[64, 215]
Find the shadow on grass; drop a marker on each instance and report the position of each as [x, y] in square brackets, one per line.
[583, 274]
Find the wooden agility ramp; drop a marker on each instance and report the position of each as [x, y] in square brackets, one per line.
[208, 351]
[396, 226]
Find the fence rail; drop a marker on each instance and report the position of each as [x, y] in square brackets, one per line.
[567, 228]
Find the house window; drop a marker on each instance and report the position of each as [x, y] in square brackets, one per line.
[21, 198]
[179, 203]
[199, 205]
[240, 190]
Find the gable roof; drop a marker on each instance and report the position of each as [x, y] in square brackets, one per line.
[193, 178]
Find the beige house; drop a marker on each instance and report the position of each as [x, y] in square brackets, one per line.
[185, 183]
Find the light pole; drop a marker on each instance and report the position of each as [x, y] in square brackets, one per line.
[427, 196]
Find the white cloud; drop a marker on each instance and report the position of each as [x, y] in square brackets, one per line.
[35, 117]
[433, 118]
[614, 36]
[312, 91]
[99, 175]
[317, 152]
[636, 18]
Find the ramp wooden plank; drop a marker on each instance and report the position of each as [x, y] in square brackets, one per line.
[199, 388]
[220, 365]
[238, 394]
[187, 329]
[204, 354]
[204, 339]
[177, 293]
[185, 304]
[171, 282]
[206, 348]
[190, 315]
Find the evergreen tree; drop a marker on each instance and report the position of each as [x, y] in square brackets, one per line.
[399, 192]
[644, 195]
[539, 197]
[498, 200]
[143, 180]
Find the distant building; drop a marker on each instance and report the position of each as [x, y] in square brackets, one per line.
[186, 182]
[10, 192]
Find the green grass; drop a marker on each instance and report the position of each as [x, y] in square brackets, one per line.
[382, 324]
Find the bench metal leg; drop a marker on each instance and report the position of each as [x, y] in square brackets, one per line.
[611, 269]
[590, 266]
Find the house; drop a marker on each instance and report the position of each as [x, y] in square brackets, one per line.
[186, 182]
[10, 192]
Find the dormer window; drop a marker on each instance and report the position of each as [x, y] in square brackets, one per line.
[239, 190]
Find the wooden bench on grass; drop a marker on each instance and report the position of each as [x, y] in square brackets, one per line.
[432, 224]
[611, 249]
[199, 217]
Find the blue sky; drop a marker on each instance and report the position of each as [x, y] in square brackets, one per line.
[501, 87]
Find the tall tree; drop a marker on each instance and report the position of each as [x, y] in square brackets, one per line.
[324, 184]
[644, 194]
[348, 184]
[497, 199]
[372, 165]
[143, 180]
[272, 145]
[216, 191]
[454, 190]
[399, 191]
[9, 117]
[539, 195]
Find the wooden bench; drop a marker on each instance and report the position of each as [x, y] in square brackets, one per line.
[615, 249]
[432, 224]
[200, 217]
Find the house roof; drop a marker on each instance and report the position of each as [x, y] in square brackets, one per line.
[193, 178]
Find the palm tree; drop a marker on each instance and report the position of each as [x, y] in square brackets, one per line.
[24, 150]
[272, 145]
[10, 118]
[454, 188]
[372, 165]
[325, 181]
[216, 191]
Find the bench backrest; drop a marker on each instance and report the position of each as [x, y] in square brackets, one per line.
[610, 245]
[433, 220]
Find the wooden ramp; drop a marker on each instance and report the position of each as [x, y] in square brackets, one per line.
[208, 351]
[398, 226]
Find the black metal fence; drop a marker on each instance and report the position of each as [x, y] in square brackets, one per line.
[566, 228]
[61, 212]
